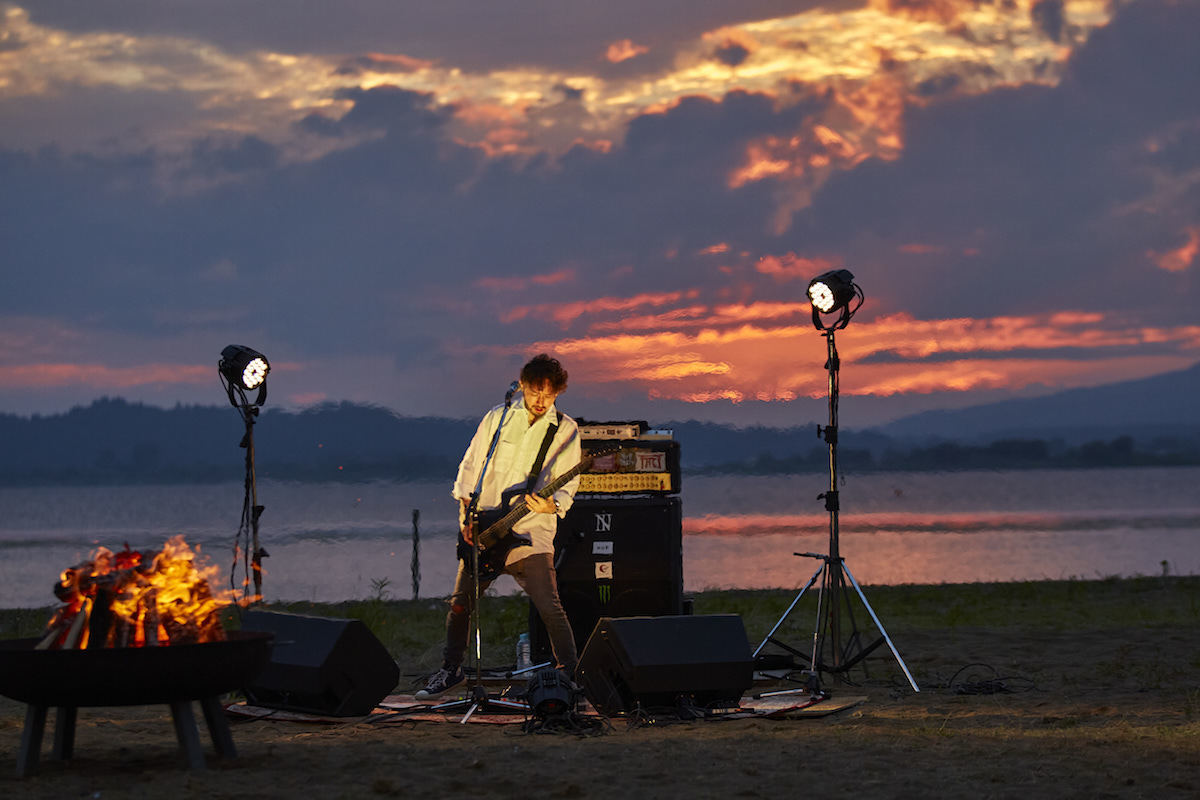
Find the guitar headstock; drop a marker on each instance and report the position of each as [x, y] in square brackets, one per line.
[588, 458]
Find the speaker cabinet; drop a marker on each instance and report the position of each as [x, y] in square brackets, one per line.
[320, 665]
[615, 557]
[656, 661]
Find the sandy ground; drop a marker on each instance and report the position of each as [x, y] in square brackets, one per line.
[1076, 714]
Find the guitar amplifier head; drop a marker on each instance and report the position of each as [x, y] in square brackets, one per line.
[611, 430]
[639, 466]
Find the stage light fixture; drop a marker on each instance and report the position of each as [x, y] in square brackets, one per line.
[550, 693]
[834, 292]
[245, 367]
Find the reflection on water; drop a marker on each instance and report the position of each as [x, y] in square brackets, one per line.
[338, 541]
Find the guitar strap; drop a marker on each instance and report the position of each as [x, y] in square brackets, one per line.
[541, 456]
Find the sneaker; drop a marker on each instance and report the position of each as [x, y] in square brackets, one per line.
[445, 678]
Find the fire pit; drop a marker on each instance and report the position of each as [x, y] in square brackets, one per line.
[175, 675]
[134, 629]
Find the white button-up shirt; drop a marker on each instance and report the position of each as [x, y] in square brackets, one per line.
[509, 468]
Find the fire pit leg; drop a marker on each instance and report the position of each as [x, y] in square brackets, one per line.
[218, 727]
[31, 740]
[64, 733]
[185, 731]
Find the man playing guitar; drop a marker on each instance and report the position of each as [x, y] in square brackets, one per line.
[533, 427]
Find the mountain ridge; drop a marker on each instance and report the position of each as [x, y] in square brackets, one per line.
[114, 441]
[1151, 406]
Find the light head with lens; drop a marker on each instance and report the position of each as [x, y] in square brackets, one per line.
[243, 369]
[550, 693]
[834, 292]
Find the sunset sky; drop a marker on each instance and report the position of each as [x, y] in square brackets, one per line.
[399, 202]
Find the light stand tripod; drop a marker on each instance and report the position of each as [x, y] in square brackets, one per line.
[240, 369]
[832, 598]
[479, 698]
[251, 510]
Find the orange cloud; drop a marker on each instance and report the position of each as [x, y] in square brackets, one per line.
[943, 11]
[877, 108]
[863, 121]
[595, 145]
[675, 318]
[907, 337]
[488, 114]
[623, 50]
[43, 376]
[1181, 258]
[513, 283]
[701, 316]
[702, 397]
[882, 380]
[566, 313]
[1186, 336]
[398, 61]
[769, 157]
[551, 278]
[749, 351]
[790, 266]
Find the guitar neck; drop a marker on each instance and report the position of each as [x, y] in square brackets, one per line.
[501, 527]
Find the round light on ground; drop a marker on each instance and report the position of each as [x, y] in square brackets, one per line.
[550, 693]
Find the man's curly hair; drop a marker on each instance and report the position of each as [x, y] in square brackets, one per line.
[542, 370]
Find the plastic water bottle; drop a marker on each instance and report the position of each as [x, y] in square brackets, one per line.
[523, 661]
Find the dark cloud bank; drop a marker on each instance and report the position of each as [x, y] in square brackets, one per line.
[1045, 183]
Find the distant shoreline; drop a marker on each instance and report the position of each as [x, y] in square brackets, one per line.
[761, 468]
[113, 442]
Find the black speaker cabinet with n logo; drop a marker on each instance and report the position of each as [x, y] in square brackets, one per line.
[615, 557]
[321, 665]
[657, 661]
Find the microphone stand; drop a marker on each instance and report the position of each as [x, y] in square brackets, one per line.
[479, 697]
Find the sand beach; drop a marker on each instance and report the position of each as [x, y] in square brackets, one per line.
[1067, 689]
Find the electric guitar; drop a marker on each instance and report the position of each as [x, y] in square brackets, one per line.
[493, 529]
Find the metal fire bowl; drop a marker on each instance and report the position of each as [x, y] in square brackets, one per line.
[131, 676]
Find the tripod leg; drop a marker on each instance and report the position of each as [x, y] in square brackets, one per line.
[795, 600]
[879, 625]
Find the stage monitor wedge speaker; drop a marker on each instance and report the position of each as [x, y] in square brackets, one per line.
[615, 557]
[658, 661]
[321, 665]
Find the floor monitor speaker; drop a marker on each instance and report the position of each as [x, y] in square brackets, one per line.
[321, 665]
[651, 662]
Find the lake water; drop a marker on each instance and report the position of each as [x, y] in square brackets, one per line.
[329, 542]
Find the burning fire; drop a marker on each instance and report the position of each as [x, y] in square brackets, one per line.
[135, 599]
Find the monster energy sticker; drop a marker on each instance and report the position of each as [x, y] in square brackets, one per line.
[604, 593]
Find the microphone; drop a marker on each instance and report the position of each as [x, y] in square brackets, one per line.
[512, 388]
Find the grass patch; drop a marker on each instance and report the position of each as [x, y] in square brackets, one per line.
[413, 630]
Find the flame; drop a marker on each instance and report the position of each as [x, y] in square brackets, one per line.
[152, 599]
